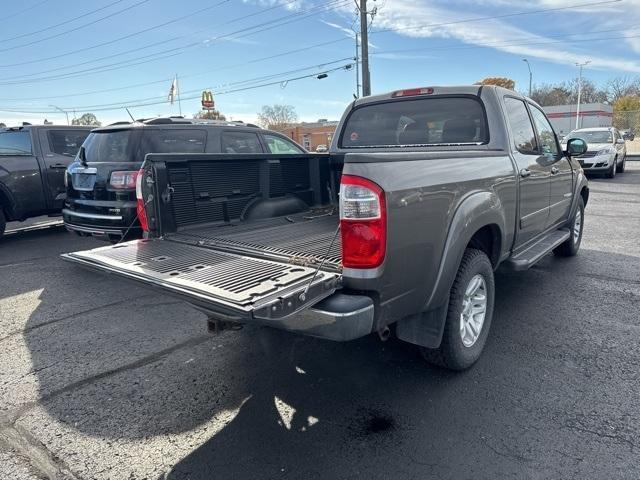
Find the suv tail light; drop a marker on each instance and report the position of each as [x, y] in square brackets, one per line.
[123, 179]
[363, 222]
[142, 214]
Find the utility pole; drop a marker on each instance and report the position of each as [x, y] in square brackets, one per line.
[580, 91]
[364, 34]
[357, 65]
[530, 74]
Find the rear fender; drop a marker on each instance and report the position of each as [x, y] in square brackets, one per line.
[476, 211]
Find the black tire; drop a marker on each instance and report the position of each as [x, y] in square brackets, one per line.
[3, 222]
[622, 165]
[611, 173]
[571, 246]
[452, 353]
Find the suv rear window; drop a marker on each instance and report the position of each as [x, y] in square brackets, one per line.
[109, 146]
[424, 121]
[66, 142]
[174, 140]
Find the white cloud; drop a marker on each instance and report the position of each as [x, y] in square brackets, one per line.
[412, 15]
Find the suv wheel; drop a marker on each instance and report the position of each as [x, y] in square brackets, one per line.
[622, 165]
[571, 246]
[3, 223]
[611, 173]
[469, 314]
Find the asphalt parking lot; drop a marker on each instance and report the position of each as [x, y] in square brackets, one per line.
[107, 380]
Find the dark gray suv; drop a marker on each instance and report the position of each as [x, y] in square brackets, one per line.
[101, 183]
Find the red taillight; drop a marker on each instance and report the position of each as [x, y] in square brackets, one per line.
[142, 214]
[410, 92]
[363, 223]
[123, 179]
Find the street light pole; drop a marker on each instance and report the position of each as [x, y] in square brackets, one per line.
[63, 111]
[530, 74]
[580, 91]
[357, 65]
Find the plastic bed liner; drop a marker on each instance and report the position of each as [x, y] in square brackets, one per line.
[302, 239]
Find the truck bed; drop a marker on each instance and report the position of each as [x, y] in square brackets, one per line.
[302, 239]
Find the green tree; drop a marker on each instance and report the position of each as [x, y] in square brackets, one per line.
[277, 117]
[86, 119]
[211, 114]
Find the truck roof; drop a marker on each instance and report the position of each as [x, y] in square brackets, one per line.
[38, 127]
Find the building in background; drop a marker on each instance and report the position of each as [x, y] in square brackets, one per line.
[312, 134]
[563, 117]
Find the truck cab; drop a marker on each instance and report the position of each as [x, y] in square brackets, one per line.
[33, 160]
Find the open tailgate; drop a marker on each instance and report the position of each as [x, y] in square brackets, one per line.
[233, 286]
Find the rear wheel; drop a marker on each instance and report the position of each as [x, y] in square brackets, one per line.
[571, 246]
[469, 314]
[622, 165]
[611, 173]
[3, 222]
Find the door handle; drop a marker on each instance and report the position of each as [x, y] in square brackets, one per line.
[554, 170]
[57, 166]
[525, 172]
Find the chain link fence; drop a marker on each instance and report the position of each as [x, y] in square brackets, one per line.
[629, 120]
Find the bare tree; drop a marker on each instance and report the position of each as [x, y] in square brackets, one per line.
[211, 114]
[622, 87]
[547, 94]
[277, 117]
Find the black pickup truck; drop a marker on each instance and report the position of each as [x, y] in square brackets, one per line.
[33, 160]
[424, 193]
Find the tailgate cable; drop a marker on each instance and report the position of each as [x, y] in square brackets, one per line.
[303, 295]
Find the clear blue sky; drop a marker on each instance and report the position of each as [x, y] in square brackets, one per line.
[222, 45]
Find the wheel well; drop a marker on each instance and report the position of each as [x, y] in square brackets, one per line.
[5, 206]
[584, 193]
[488, 240]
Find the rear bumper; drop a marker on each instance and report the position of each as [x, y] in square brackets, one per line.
[101, 224]
[340, 317]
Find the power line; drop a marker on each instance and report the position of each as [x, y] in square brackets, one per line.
[51, 27]
[178, 50]
[93, 22]
[140, 32]
[494, 17]
[345, 67]
[24, 10]
[168, 79]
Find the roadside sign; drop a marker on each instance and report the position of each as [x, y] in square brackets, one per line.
[207, 99]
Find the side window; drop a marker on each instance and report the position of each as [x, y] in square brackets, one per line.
[520, 125]
[175, 140]
[66, 142]
[15, 143]
[240, 142]
[545, 132]
[280, 145]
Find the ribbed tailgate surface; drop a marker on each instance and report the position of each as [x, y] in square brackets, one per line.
[230, 277]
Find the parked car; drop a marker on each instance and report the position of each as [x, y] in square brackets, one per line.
[424, 193]
[607, 150]
[322, 149]
[628, 134]
[33, 159]
[101, 197]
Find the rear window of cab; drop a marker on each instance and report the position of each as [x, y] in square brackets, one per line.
[430, 121]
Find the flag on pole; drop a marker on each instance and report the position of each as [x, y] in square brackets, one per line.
[173, 90]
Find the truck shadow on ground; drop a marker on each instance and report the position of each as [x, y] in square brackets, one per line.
[279, 403]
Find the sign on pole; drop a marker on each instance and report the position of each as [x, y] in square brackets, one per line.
[207, 100]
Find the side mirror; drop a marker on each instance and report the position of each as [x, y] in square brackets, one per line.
[620, 141]
[576, 147]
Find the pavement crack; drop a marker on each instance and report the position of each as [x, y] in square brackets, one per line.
[192, 342]
[39, 456]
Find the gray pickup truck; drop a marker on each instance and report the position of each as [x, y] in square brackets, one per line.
[424, 193]
[33, 160]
